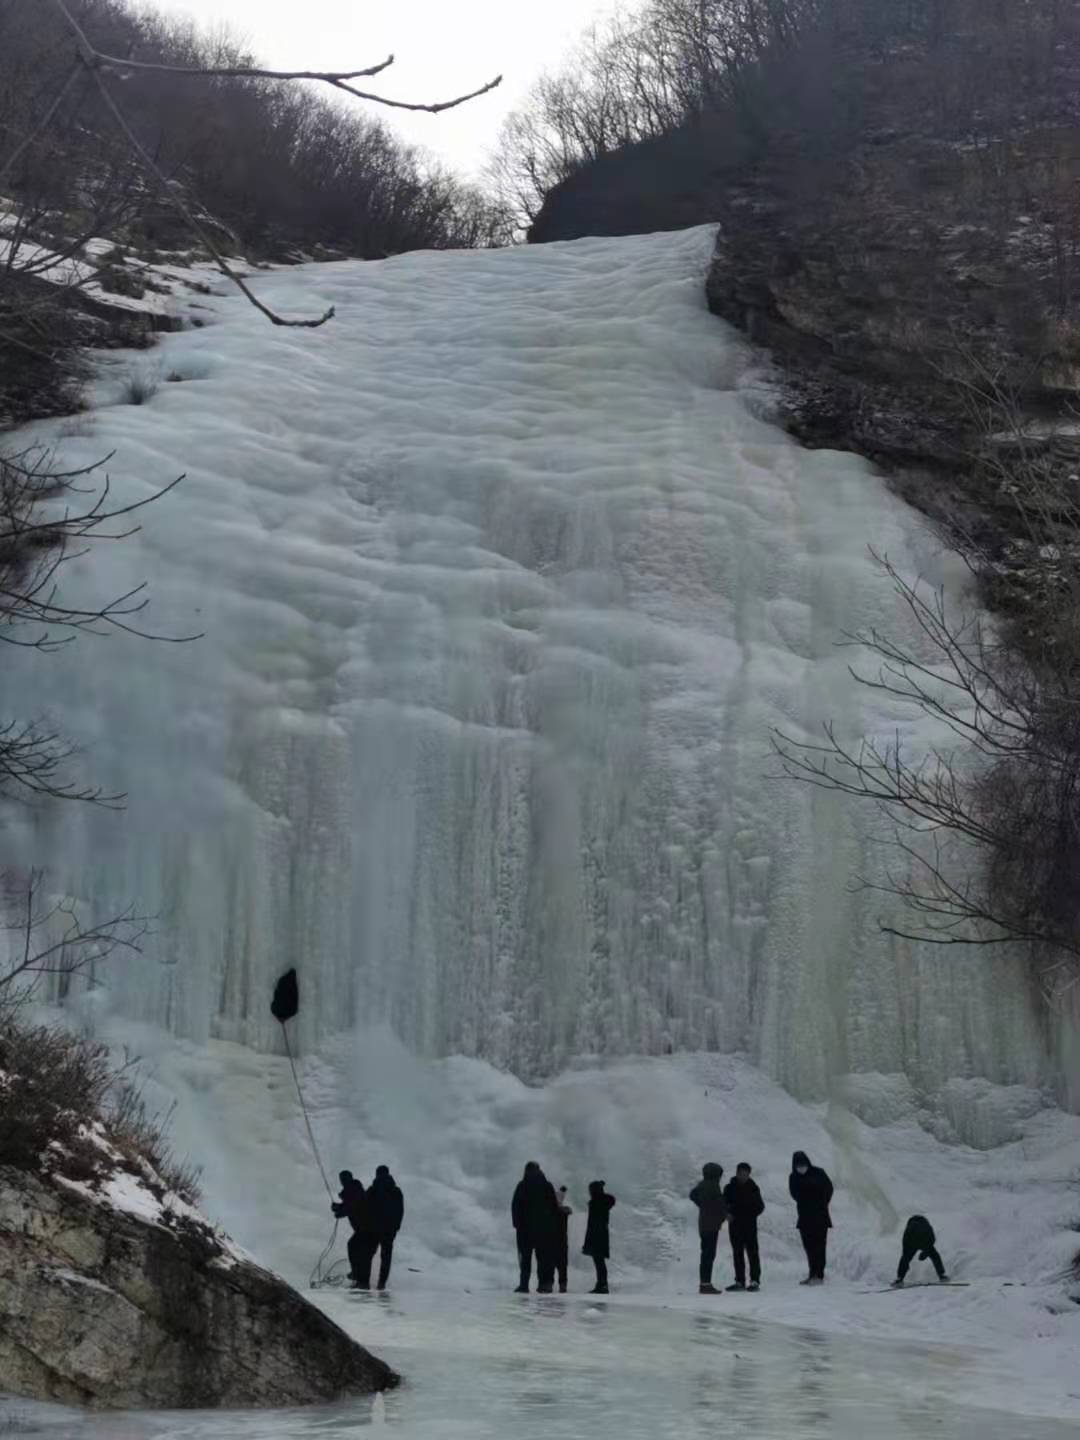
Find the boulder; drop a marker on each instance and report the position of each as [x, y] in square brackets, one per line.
[112, 1295]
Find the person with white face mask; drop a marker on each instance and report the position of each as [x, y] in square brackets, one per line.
[811, 1189]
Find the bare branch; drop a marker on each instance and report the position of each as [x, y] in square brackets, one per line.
[176, 201]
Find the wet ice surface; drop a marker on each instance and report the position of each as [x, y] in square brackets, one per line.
[542, 1369]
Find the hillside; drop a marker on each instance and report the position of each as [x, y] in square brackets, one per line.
[267, 170]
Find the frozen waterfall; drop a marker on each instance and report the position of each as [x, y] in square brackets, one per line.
[503, 585]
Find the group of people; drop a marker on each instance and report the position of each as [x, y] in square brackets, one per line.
[541, 1215]
[541, 1218]
[375, 1215]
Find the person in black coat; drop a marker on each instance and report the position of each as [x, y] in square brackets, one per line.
[919, 1239]
[353, 1206]
[812, 1190]
[708, 1196]
[386, 1211]
[598, 1233]
[743, 1200]
[535, 1213]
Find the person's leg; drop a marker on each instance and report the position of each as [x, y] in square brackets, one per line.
[365, 1254]
[708, 1257]
[738, 1255]
[905, 1261]
[545, 1267]
[601, 1272]
[807, 1238]
[386, 1259]
[822, 1250]
[753, 1255]
[935, 1259]
[525, 1254]
[353, 1248]
[562, 1264]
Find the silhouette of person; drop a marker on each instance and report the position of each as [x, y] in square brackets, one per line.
[712, 1212]
[353, 1207]
[598, 1233]
[535, 1213]
[386, 1211]
[812, 1190]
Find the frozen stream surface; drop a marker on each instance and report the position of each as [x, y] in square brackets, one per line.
[483, 1367]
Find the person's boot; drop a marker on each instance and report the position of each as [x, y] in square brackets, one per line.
[808, 1281]
[522, 1290]
[943, 1279]
[707, 1288]
[897, 1284]
[599, 1290]
[737, 1286]
[544, 1289]
[754, 1285]
[562, 1288]
[816, 1280]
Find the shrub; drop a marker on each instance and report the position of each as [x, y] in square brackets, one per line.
[65, 1109]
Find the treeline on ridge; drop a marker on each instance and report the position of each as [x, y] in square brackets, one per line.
[278, 165]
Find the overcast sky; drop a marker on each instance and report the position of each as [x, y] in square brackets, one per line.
[443, 48]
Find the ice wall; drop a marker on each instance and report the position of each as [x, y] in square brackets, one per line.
[503, 587]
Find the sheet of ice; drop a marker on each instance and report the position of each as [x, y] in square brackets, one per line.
[485, 1369]
[503, 586]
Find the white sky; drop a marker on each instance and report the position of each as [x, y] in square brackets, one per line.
[443, 48]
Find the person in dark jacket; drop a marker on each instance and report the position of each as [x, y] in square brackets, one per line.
[919, 1239]
[811, 1189]
[744, 1203]
[598, 1233]
[386, 1211]
[562, 1239]
[353, 1206]
[535, 1213]
[712, 1212]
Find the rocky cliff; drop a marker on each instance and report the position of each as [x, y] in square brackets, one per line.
[114, 1297]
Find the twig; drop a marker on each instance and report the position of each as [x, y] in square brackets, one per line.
[174, 199]
[338, 79]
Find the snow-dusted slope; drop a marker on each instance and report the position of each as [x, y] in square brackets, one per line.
[503, 586]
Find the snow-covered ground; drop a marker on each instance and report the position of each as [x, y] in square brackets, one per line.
[456, 1134]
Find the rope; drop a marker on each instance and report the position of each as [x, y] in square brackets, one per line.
[323, 1275]
[307, 1119]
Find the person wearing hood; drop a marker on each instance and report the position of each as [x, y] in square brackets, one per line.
[386, 1211]
[535, 1213]
[812, 1190]
[712, 1212]
[598, 1233]
[562, 1240]
[353, 1206]
[919, 1239]
[744, 1203]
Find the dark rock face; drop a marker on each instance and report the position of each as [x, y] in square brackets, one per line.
[668, 183]
[101, 1307]
[896, 197]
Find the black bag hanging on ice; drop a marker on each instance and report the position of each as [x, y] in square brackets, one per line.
[286, 1001]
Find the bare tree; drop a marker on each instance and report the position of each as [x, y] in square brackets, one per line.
[49, 516]
[48, 940]
[98, 66]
